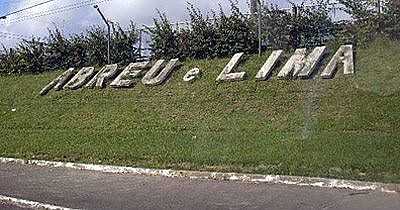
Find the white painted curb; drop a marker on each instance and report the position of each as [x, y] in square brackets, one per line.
[31, 204]
[252, 178]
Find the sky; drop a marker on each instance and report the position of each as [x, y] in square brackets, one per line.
[78, 19]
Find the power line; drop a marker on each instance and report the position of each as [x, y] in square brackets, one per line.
[11, 2]
[38, 15]
[11, 37]
[37, 39]
[15, 1]
[15, 5]
[50, 10]
[27, 8]
[56, 10]
[5, 33]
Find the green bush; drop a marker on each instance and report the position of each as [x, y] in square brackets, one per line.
[164, 38]
[236, 33]
[371, 22]
[204, 36]
[222, 35]
[60, 52]
[303, 26]
[28, 56]
[208, 36]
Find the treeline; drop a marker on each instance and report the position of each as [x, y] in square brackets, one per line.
[222, 35]
[372, 20]
[59, 52]
[216, 34]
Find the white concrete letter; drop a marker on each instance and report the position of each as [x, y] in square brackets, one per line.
[344, 55]
[132, 71]
[155, 77]
[80, 79]
[227, 75]
[107, 73]
[300, 65]
[295, 63]
[269, 65]
[312, 62]
[192, 75]
[59, 82]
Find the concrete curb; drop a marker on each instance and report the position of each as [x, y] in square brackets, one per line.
[31, 204]
[251, 178]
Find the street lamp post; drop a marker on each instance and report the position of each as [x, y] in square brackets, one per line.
[256, 6]
[109, 33]
[259, 28]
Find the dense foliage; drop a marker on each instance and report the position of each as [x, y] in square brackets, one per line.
[216, 34]
[59, 52]
[373, 20]
[303, 26]
[222, 35]
[204, 36]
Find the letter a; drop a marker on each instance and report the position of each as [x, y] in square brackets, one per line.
[343, 55]
[59, 82]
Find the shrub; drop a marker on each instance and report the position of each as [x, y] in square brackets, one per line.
[28, 56]
[235, 33]
[204, 36]
[371, 22]
[207, 36]
[304, 26]
[59, 52]
[164, 38]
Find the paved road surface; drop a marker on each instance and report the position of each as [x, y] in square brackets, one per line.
[93, 190]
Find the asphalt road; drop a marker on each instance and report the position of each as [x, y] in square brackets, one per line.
[93, 190]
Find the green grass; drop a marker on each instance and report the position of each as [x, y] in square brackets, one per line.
[347, 127]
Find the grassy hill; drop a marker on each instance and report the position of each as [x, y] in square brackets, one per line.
[347, 127]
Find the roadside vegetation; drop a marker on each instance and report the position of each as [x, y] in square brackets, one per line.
[217, 34]
[346, 128]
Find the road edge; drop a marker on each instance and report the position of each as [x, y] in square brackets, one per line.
[31, 204]
[239, 177]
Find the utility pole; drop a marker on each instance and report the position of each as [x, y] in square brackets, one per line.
[379, 6]
[259, 27]
[140, 42]
[24, 9]
[109, 33]
[256, 6]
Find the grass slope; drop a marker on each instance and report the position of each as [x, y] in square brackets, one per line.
[342, 128]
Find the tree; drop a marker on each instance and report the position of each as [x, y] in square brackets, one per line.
[374, 18]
